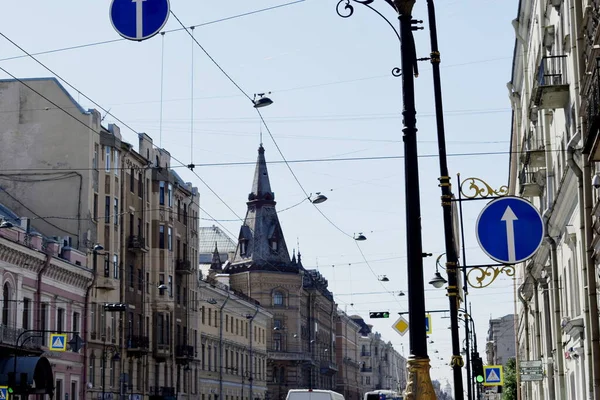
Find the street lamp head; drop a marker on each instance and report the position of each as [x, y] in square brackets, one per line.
[404, 7]
[97, 247]
[401, 293]
[6, 225]
[360, 237]
[319, 198]
[262, 100]
[384, 278]
[162, 286]
[211, 301]
[437, 281]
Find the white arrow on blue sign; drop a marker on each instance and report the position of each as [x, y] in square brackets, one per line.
[139, 19]
[510, 230]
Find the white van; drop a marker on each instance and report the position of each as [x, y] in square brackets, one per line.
[313, 394]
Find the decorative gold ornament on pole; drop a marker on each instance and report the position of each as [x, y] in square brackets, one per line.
[481, 277]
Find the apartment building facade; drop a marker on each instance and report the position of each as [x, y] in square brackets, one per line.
[549, 166]
[501, 341]
[348, 378]
[44, 288]
[132, 215]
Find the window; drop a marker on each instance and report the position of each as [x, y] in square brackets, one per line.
[170, 238]
[277, 325]
[161, 237]
[277, 341]
[58, 389]
[161, 193]
[243, 246]
[178, 294]
[106, 267]
[141, 186]
[107, 159]
[44, 321]
[115, 266]
[74, 394]
[95, 207]
[160, 329]
[147, 282]
[184, 214]
[116, 211]
[113, 369]
[93, 317]
[107, 210]
[277, 298]
[170, 286]
[92, 370]
[60, 320]
[132, 181]
[75, 321]
[140, 280]
[178, 210]
[273, 245]
[95, 159]
[116, 162]
[6, 304]
[170, 195]
[26, 313]
[130, 268]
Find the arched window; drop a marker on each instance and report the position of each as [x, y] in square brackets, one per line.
[277, 298]
[6, 304]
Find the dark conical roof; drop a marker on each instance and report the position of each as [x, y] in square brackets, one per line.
[261, 244]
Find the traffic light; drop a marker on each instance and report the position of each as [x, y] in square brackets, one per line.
[478, 368]
[115, 307]
[379, 314]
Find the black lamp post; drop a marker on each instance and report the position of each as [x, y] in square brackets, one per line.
[451, 253]
[419, 381]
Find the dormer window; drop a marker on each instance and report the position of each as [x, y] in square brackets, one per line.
[243, 247]
[274, 245]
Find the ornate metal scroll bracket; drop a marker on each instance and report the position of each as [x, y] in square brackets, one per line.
[345, 9]
[481, 277]
[473, 188]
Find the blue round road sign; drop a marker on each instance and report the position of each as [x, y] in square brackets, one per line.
[510, 230]
[139, 19]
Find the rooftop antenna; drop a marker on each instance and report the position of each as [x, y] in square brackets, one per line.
[260, 131]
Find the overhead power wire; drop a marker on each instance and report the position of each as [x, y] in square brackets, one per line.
[210, 57]
[81, 46]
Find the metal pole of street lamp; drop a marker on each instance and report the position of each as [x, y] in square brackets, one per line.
[420, 386]
[451, 252]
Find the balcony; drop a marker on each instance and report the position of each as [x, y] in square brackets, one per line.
[184, 352]
[183, 267]
[551, 88]
[106, 283]
[592, 106]
[162, 351]
[533, 154]
[138, 344]
[328, 368]
[366, 369]
[162, 391]
[30, 340]
[365, 354]
[532, 183]
[136, 243]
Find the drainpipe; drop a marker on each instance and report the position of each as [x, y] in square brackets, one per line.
[548, 340]
[86, 308]
[39, 289]
[525, 304]
[592, 298]
[538, 324]
[221, 346]
[558, 356]
[250, 355]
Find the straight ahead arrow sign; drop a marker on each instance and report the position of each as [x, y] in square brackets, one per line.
[509, 218]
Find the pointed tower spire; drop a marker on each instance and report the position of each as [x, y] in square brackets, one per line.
[261, 244]
[216, 264]
[261, 186]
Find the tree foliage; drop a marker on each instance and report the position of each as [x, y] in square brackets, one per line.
[509, 391]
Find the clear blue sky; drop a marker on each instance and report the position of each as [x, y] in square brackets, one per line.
[334, 97]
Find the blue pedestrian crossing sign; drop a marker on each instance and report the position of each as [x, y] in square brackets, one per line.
[3, 392]
[510, 230]
[428, 327]
[139, 19]
[58, 342]
[493, 375]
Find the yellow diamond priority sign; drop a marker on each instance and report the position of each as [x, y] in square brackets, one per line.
[401, 326]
